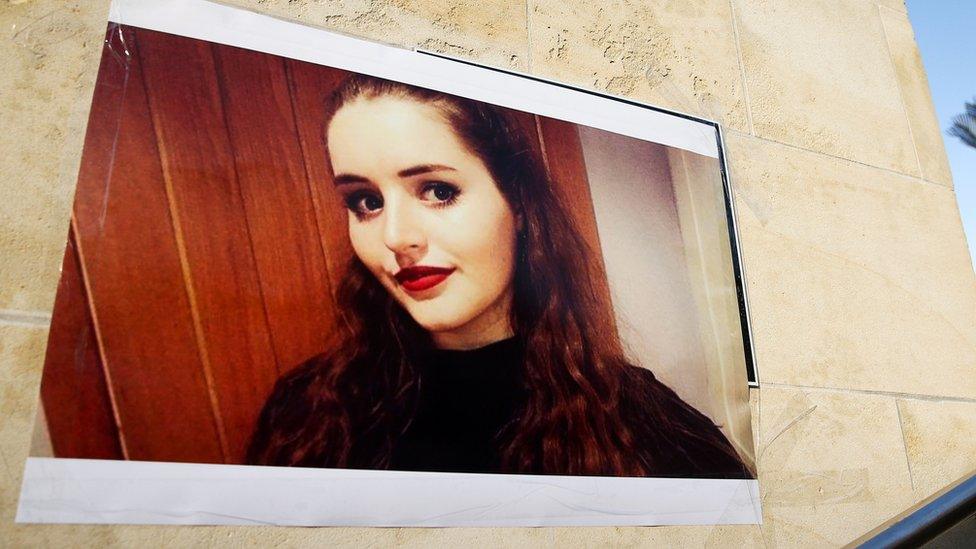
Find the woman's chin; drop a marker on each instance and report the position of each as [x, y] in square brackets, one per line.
[440, 325]
[437, 326]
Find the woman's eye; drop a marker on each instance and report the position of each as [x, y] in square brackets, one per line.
[440, 193]
[363, 204]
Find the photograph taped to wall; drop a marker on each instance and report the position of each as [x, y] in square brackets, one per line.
[314, 280]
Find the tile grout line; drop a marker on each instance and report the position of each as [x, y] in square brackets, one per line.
[889, 8]
[742, 69]
[904, 444]
[901, 94]
[850, 160]
[28, 319]
[823, 252]
[893, 394]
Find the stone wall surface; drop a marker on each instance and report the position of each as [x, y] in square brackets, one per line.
[863, 297]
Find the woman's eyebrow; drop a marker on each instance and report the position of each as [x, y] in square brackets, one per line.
[424, 168]
[348, 179]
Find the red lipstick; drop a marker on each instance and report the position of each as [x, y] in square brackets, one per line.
[420, 277]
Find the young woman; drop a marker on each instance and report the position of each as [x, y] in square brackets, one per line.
[473, 339]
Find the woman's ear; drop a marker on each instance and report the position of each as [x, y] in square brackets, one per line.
[519, 221]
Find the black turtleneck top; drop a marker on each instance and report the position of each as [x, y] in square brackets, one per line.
[463, 404]
[466, 398]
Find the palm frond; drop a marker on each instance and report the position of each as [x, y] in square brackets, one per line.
[964, 125]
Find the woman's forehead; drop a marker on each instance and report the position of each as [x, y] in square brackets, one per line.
[385, 135]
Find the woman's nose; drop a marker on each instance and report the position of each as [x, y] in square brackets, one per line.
[402, 231]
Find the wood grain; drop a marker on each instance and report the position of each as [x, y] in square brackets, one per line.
[277, 199]
[310, 87]
[73, 389]
[210, 220]
[131, 264]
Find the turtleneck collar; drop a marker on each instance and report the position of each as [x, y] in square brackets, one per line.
[497, 364]
[496, 348]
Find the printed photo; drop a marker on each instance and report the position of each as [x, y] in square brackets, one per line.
[275, 262]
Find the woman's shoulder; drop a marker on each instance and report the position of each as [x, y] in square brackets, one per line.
[293, 383]
[303, 373]
[287, 410]
[299, 391]
[682, 441]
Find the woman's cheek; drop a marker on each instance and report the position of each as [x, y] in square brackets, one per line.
[361, 246]
[355, 239]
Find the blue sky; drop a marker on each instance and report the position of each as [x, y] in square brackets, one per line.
[944, 30]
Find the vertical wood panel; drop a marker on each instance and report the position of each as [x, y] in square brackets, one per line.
[310, 87]
[280, 212]
[131, 264]
[206, 200]
[73, 389]
[563, 153]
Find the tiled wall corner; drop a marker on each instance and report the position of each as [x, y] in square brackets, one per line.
[824, 82]
[856, 275]
[680, 55]
[898, 5]
[831, 465]
[940, 437]
[916, 96]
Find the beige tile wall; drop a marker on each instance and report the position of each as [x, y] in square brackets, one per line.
[819, 76]
[863, 297]
[50, 55]
[680, 55]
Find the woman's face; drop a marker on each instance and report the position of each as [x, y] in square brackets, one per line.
[426, 218]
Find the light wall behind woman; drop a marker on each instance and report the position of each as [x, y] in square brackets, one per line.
[640, 236]
[661, 220]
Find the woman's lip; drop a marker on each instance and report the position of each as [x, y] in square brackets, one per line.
[424, 282]
[419, 278]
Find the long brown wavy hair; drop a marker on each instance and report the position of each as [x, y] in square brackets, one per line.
[587, 410]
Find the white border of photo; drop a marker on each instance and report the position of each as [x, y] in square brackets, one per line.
[58, 490]
[244, 29]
